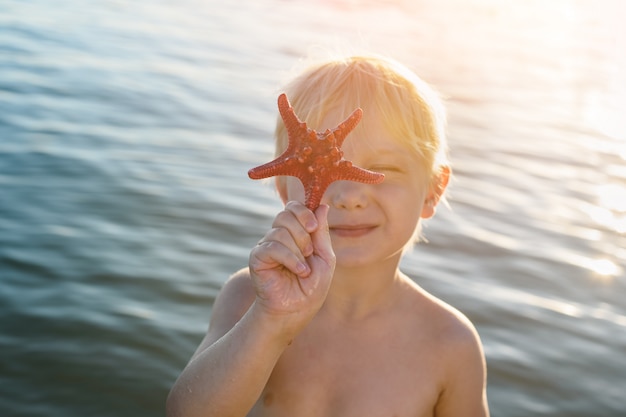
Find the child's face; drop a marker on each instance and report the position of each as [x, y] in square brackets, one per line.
[370, 223]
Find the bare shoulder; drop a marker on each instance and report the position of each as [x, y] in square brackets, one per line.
[459, 353]
[456, 330]
[232, 302]
[450, 328]
[458, 341]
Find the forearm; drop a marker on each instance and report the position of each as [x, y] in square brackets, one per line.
[226, 378]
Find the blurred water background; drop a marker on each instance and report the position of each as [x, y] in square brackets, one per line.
[127, 129]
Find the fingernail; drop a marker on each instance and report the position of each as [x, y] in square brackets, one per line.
[311, 225]
[302, 268]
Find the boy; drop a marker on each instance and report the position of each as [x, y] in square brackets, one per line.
[323, 322]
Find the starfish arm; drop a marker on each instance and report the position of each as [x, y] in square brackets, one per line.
[313, 200]
[315, 187]
[345, 127]
[349, 172]
[295, 127]
[279, 166]
[313, 191]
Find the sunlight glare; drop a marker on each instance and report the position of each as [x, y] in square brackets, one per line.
[604, 268]
[610, 209]
[613, 197]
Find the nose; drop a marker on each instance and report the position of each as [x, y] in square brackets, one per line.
[346, 195]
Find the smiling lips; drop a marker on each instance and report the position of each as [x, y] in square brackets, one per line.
[351, 231]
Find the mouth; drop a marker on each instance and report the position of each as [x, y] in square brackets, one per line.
[351, 231]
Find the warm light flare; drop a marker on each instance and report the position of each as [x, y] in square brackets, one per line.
[604, 268]
[613, 197]
[610, 210]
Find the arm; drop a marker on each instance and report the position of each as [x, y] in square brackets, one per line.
[465, 393]
[256, 315]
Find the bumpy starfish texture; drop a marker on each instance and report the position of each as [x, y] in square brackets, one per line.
[316, 159]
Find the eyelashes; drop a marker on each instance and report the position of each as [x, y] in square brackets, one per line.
[386, 169]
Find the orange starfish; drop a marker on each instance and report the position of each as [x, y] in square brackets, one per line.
[316, 159]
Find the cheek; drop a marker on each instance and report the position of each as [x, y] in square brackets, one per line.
[295, 189]
[405, 203]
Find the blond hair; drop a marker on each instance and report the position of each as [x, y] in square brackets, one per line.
[409, 108]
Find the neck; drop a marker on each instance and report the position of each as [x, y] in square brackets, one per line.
[359, 292]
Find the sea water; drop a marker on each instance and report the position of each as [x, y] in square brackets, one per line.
[127, 129]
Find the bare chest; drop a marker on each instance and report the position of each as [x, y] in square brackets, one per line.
[373, 376]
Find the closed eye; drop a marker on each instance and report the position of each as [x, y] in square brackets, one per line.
[386, 168]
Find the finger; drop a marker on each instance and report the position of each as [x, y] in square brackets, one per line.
[273, 254]
[286, 237]
[321, 237]
[305, 216]
[296, 221]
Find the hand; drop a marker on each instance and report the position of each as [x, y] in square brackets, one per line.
[293, 265]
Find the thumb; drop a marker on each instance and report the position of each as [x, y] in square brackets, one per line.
[322, 246]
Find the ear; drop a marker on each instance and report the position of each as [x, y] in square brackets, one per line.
[435, 192]
[281, 187]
